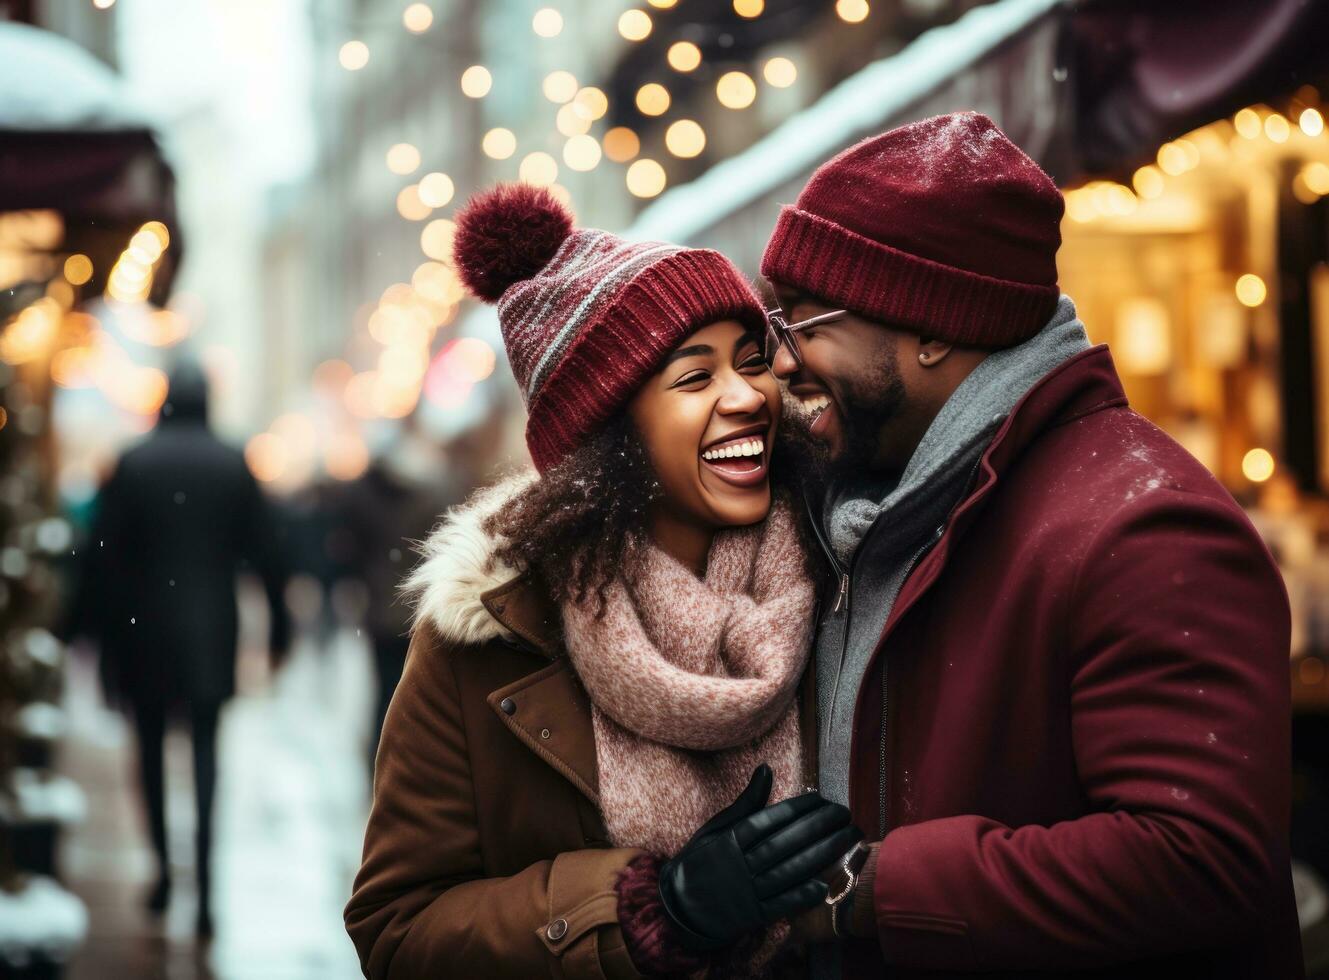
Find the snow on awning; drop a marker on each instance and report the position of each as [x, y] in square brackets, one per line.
[51, 84]
[863, 104]
[71, 141]
[1083, 86]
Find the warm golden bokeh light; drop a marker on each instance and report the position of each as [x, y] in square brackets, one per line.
[621, 144]
[1257, 465]
[333, 374]
[436, 239]
[749, 8]
[409, 204]
[158, 231]
[1148, 182]
[560, 86]
[780, 72]
[499, 143]
[1311, 122]
[1315, 174]
[646, 178]
[418, 18]
[852, 11]
[581, 153]
[1277, 128]
[403, 159]
[1247, 123]
[538, 168]
[635, 25]
[267, 456]
[547, 22]
[683, 56]
[591, 102]
[436, 189]
[476, 82]
[353, 55]
[653, 99]
[736, 90]
[1172, 159]
[78, 269]
[1251, 290]
[570, 122]
[662, 4]
[685, 138]
[346, 457]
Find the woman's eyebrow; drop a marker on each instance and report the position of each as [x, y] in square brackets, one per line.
[696, 350]
[750, 337]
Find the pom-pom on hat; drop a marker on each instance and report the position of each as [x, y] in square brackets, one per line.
[586, 316]
[944, 227]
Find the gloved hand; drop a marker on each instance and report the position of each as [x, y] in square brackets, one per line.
[752, 864]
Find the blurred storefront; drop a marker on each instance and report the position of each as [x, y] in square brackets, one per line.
[85, 198]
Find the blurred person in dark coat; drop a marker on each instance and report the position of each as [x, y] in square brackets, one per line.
[380, 517]
[178, 519]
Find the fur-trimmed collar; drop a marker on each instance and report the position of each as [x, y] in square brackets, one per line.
[458, 567]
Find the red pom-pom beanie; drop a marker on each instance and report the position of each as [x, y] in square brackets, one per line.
[586, 316]
[943, 227]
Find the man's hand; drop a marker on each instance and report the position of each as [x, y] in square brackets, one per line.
[751, 864]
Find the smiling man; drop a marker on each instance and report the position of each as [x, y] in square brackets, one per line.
[1053, 672]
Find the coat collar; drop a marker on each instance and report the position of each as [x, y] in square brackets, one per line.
[522, 607]
[1084, 384]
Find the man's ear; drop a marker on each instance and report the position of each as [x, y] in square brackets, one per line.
[932, 352]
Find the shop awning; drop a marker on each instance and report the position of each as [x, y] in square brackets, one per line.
[71, 141]
[1084, 87]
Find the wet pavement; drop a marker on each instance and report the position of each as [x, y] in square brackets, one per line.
[291, 798]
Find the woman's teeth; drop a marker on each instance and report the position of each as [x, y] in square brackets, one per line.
[749, 447]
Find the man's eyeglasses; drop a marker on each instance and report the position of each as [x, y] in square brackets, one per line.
[781, 331]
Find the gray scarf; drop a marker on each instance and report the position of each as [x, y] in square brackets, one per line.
[904, 517]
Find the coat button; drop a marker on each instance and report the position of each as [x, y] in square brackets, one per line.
[557, 929]
[544, 733]
[508, 706]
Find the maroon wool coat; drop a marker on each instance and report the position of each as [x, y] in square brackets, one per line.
[1087, 742]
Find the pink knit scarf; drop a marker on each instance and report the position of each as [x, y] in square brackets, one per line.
[693, 682]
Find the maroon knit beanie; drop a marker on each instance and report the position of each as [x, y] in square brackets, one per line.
[943, 227]
[586, 316]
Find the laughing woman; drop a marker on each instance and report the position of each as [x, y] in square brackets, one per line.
[592, 766]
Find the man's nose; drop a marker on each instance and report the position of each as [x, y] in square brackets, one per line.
[784, 366]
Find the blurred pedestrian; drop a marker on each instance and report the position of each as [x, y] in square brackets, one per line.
[179, 517]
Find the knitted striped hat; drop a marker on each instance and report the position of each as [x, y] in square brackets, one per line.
[586, 316]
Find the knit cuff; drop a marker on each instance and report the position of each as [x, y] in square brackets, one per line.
[650, 935]
[863, 915]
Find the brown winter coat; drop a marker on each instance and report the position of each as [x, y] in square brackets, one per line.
[486, 855]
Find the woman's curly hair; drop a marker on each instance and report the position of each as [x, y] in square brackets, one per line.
[583, 523]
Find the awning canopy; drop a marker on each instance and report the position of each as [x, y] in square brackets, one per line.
[71, 141]
[1086, 88]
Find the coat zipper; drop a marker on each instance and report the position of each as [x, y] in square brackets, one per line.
[881, 748]
[882, 771]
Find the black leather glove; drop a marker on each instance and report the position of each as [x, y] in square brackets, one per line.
[752, 864]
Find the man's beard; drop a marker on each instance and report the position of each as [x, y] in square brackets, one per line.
[863, 407]
[865, 404]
